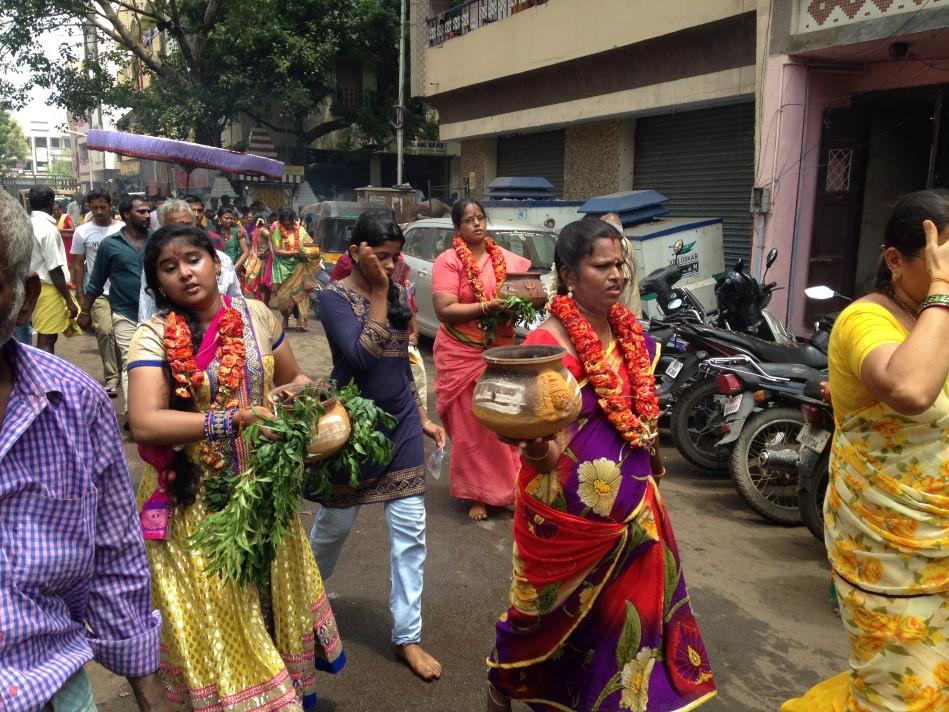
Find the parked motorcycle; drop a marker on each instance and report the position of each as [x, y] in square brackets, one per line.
[697, 417]
[813, 470]
[763, 422]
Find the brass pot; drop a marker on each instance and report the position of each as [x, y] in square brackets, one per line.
[527, 285]
[526, 392]
[332, 430]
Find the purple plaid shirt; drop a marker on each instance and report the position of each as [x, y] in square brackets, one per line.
[74, 580]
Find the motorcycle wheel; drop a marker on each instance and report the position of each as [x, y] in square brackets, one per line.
[770, 492]
[696, 425]
[812, 502]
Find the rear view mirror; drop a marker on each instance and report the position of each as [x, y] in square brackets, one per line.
[740, 265]
[772, 257]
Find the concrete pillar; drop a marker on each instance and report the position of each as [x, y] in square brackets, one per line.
[626, 154]
[375, 170]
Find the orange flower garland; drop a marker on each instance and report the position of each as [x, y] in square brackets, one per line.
[179, 350]
[471, 265]
[638, 428]
[290, 241]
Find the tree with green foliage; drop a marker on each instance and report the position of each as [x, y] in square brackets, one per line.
[188, 67]
[14, 146]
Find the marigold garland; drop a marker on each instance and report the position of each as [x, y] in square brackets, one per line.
[179, 349]
[471, 265]
[638, 428]
[291, 241]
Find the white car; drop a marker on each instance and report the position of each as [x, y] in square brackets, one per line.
[426, 239]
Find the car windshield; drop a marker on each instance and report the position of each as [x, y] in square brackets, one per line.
[335, 233]
[537, 246]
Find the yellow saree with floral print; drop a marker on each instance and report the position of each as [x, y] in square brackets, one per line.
[887, 536]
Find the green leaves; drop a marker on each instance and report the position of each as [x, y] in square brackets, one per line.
[368, 444]
[519, 311]
[251, 512]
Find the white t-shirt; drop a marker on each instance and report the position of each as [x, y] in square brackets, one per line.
[86, 240]
[49, 252]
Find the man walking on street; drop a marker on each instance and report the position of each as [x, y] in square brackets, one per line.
[55, 305]
[85, 245]
[74, 579]
[119, 262]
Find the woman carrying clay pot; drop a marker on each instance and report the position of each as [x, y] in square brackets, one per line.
[200, 369]
[465, 282]
[599, 615]
[367, 320]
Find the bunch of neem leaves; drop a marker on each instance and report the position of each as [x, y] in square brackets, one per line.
[252, 511]
[367, 445]
[519, 311]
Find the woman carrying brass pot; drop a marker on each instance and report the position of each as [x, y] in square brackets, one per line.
[367, 320]
[465, 282]
[599, 615]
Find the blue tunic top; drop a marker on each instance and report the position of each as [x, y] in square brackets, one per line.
[375, 356]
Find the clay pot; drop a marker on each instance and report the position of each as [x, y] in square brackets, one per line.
[526, 392]
[524, 284]
[331, 432]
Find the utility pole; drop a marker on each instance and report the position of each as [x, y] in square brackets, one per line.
[91, 52]
[400, 109]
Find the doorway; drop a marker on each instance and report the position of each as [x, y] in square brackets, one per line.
[882, 146]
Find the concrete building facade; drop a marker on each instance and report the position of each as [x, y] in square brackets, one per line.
[598, 96]
[813, 103]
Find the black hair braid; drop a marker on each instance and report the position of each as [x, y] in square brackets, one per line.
[398, 313]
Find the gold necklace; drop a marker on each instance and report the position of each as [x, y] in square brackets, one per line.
[901, 305]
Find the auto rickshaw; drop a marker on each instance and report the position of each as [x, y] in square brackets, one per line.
[333, 222]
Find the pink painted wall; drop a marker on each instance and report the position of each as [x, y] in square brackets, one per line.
[794, 97]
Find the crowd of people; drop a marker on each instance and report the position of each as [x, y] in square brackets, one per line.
[599, 616]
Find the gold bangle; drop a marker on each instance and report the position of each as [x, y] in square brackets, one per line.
[426, 423]
[484, 308]
[660, 475]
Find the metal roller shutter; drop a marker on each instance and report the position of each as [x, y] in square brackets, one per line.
[537, 154]
[704, 162]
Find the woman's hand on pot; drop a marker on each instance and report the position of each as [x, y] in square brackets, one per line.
[371, 267]
[937, 256]
[255, 414]
[281, 393]
[435, 432]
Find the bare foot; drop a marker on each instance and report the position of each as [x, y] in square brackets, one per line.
[422, 664]
[477, 512]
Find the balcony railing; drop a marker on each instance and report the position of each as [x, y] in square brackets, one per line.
[472, 15]
[353, 100]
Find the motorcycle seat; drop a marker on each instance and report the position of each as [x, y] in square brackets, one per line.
[770, 352]
[793, 371]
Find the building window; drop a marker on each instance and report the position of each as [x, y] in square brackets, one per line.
[54, 142]
[839, 161]
[39, 142]
[67, 142]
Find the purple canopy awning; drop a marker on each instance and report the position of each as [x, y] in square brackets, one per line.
[193, 155]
